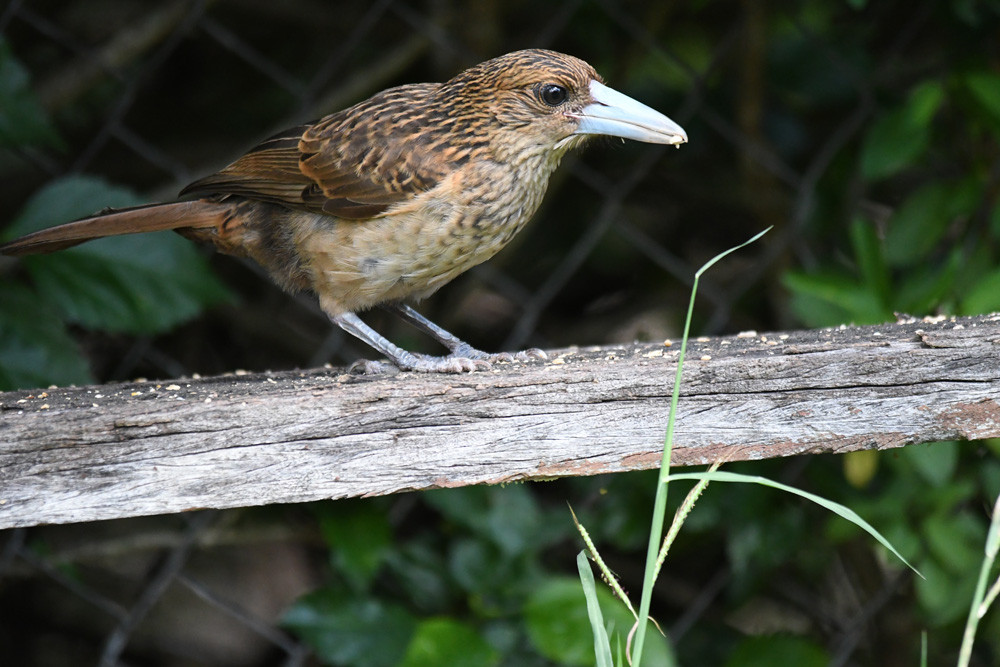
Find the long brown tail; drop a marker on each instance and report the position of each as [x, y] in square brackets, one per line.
[150, 218]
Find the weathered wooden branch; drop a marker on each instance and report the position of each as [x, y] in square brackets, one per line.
[85, 453]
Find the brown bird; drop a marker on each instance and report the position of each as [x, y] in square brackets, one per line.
[390, 199]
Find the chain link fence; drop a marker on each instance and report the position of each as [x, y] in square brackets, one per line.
[153, 95]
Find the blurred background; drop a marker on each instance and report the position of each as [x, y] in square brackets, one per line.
[865, 133]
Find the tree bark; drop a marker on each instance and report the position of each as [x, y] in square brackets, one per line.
[110, 451]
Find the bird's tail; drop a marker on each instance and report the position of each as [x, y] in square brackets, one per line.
[150, 218]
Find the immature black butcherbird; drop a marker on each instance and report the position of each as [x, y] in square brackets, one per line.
[387, 201]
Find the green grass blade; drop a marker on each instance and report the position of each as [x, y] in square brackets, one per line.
[602, 646]
[990, 597]
[707, 265]
[681, 515]
[981, 600]
[609, 577]
[660, 500]
[836, 508]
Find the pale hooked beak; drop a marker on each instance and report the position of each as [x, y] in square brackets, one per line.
[618, 115]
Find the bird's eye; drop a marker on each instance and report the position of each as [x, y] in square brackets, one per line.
[552, 94]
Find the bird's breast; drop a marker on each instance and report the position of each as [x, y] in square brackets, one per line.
[422, 244]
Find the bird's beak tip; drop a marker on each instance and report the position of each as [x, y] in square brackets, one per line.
[618, 115]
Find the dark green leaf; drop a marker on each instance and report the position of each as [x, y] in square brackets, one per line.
[989, 471]
[955, 540]
[984, 297]
[920, 222]
[359, 536]
[556, 615]
[421, 571]
[869, 255]
[475, 564]
[66, 199]
[905, 538]
[509, 516]
[771, 650]
[35, 350]
[902, 135]
[142, 283]
[559, 625]
[835, 507]
[465, 506]
[444, 641]
[984, 87]
[827, 299]
[943, 595]
[356, 632]
[935, 461]
[924, 288]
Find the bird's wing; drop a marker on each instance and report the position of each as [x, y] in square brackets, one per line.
[353, 164]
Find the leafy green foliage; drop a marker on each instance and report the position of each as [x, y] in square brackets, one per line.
[137, 284]
[934, 253]
[930, 159]
[559, 625]
[346, 631]
[984, 88]
[363, 537]
[445, 641]
[35, 348]
[512, 521]
[983, 297]
[838, 509]
[777, 650]
[475, 589]
[907, 270]
[905, 218]
[901, 135]
[923, 504]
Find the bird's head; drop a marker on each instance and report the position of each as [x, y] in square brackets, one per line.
[551, 101]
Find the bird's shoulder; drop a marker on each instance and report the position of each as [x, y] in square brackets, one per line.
[354, 164]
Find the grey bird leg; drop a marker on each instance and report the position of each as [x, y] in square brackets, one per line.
[458, 347]
[406, 361]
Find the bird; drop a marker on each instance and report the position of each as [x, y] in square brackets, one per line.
[383, 203]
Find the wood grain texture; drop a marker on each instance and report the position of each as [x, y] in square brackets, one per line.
[101, 452]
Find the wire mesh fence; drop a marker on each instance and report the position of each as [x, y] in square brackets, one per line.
[153, 95]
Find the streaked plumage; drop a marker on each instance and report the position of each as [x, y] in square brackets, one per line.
[392, 198]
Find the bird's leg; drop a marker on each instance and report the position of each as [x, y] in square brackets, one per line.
[458, 347]
[406, 361]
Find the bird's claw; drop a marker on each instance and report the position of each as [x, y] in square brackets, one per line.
[465, 359]
[467, 351]
[371, 367]
[453, 363]
[420, 363]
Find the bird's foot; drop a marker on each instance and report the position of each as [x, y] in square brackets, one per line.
[420, 363]
[452, 363]
[464, 359]
[468, 352]
[372, 367]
